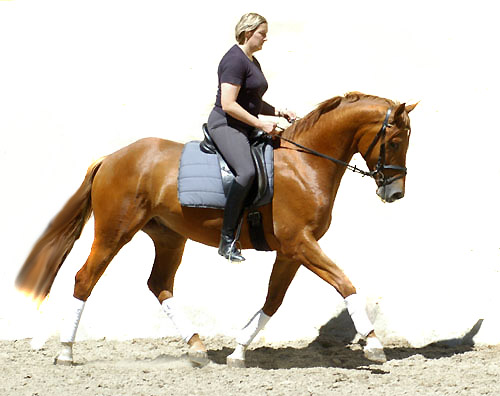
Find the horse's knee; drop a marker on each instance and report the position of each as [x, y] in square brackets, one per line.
[153, 287]
[162, 294]
[160, 287]
[159, 291]
[346, 288]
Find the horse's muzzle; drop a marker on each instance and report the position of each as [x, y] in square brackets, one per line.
[391, 192]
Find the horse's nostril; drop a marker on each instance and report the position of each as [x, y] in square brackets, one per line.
[396, 196]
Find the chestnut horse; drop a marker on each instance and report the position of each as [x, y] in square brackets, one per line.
[135, 189]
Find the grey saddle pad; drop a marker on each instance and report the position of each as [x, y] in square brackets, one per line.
[200, 180]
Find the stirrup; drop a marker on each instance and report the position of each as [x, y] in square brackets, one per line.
[238, 258]
[230, 252]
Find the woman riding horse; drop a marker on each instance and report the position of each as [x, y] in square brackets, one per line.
[235, 114]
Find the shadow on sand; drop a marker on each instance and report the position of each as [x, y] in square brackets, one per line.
[334, 348]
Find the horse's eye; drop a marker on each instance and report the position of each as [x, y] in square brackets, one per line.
[393, 145]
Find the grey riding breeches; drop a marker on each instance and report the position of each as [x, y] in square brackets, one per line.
[234, 147]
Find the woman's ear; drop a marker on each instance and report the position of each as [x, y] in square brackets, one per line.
[248, 35]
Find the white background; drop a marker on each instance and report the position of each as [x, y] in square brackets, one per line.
[79, 80]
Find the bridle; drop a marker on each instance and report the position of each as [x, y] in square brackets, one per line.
[378, 172]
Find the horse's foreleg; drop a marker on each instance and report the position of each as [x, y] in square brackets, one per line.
[313, 258]
[283, 272]
[169, 247]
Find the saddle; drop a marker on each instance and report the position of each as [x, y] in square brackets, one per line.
[258, 141]
[205, 179]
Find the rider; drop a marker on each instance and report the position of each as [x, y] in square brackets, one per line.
[235, 114]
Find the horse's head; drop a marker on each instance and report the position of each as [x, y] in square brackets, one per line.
[384, 148]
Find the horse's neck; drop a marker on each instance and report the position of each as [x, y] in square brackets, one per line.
[332, 136]
[335, 135]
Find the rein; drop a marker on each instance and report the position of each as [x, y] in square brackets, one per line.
[377, 173]
[350, 167]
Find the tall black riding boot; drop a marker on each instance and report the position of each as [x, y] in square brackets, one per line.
[232, 215]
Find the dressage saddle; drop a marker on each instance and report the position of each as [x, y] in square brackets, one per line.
[261, 192]
[258, 140]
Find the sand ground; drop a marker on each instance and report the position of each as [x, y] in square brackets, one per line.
[319, 367]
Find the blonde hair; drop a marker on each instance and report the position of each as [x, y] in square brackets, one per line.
[247, 23]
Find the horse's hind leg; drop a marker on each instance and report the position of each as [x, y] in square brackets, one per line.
[169, 247]
[110, 236]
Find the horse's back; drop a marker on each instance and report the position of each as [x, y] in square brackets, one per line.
[150, 146]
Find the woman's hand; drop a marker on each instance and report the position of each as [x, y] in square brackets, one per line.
[268, 126]
[289, 115]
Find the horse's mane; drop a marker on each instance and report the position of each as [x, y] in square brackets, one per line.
[328, 105]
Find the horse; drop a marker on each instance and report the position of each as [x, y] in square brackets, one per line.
[135, 189]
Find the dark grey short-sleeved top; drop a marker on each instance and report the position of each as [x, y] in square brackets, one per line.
[235, 68]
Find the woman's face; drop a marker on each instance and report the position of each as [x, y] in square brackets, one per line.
[257, 38]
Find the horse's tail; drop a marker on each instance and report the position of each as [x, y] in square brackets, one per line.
[40, 268]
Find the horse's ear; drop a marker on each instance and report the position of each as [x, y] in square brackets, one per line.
[409, 108]
[400, 110]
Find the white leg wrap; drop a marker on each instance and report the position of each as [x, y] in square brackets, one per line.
[177, 317]
[70, 325]
[239, 352]
[255, 325]
[357, 309]
[372, 343]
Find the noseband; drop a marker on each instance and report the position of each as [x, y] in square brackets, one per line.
[378, 172]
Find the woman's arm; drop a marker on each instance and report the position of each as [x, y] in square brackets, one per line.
[267, 109]
[229, 94]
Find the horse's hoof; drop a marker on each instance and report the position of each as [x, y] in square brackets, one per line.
[375, 355]
[198, 358]
[235, 363]
[65, 356]
[62, 362]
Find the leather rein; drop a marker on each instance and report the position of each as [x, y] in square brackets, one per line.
[378, 172]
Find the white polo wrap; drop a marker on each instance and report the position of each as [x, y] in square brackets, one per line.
[357, 309]
[181, 323]
[70, 325]
[372, 343]
[255, 325]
